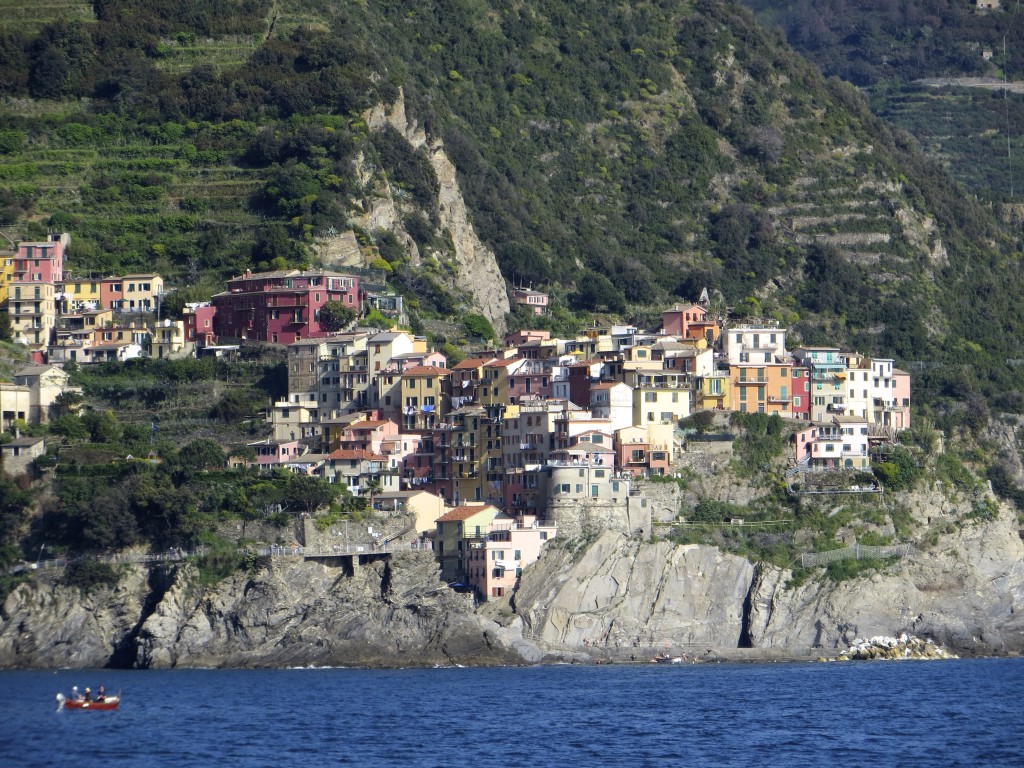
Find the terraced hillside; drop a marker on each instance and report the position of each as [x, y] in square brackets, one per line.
[142, 197]
[29, 16]
[623, 154]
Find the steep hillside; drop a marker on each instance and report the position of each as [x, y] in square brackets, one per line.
[934, 68]
[619, 154]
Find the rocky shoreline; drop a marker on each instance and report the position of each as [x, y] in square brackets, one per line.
[621, 599]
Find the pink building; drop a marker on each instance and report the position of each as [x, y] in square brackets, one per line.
[41, 262]
[635, 454]
[373, 435]
[199, 324]
[280, 307]
[536, 301]
[841, 443]
[689, 321]
[801, 392]
[271, 452]
[901, 400]
[495, 562]
[525, 336]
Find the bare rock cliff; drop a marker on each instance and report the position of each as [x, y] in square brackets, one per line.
[393, 613]
[622, 592]
[477, 270]
[963, 589]
[966, 593]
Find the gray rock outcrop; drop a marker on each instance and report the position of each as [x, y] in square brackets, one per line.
[603, 595]
[302, 613]
[476, 267]
[966, 593]
[621, 592]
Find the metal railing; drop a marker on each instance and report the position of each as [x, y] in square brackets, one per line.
[856, 552]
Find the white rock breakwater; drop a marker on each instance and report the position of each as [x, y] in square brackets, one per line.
[894, 648]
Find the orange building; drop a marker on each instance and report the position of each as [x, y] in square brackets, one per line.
[762, 389]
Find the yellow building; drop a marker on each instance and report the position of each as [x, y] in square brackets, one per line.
[6, 273]
[713, 392]
[168, 339]
[33, 314]
[456, 530]
[493, 391]
[661, 398]
[467, 456]
[424, 396]
[73, 295]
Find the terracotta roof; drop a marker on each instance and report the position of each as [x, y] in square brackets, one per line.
[464, 513]
[370, 424]
[606, 385]
[425, 370]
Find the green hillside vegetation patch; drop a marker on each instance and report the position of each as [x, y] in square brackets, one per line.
[619, 155]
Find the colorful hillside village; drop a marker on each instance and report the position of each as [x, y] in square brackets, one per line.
[495, 453]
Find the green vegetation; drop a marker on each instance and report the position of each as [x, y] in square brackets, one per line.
[334, 316]
[761, 442]
[89, 575]
[619, 156]
[899, 470]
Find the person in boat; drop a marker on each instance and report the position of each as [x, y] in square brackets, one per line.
[101, 694]
[75, 695]
[88, 694]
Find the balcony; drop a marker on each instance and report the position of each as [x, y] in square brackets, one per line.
[777, 400]
[828, 437]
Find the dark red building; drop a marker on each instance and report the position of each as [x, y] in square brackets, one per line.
[281, 307]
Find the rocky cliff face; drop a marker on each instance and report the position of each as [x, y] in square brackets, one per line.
[292, 613]
[966, 592]
[622, 592]
[611, 594]
[476, 268]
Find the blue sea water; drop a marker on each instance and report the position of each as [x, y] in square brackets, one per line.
[955, 713]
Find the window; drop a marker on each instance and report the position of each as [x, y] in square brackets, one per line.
[593, 491]
[650, 397]
[579, 487]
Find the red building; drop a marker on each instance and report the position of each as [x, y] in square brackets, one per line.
[199, 324]
[281, 307]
